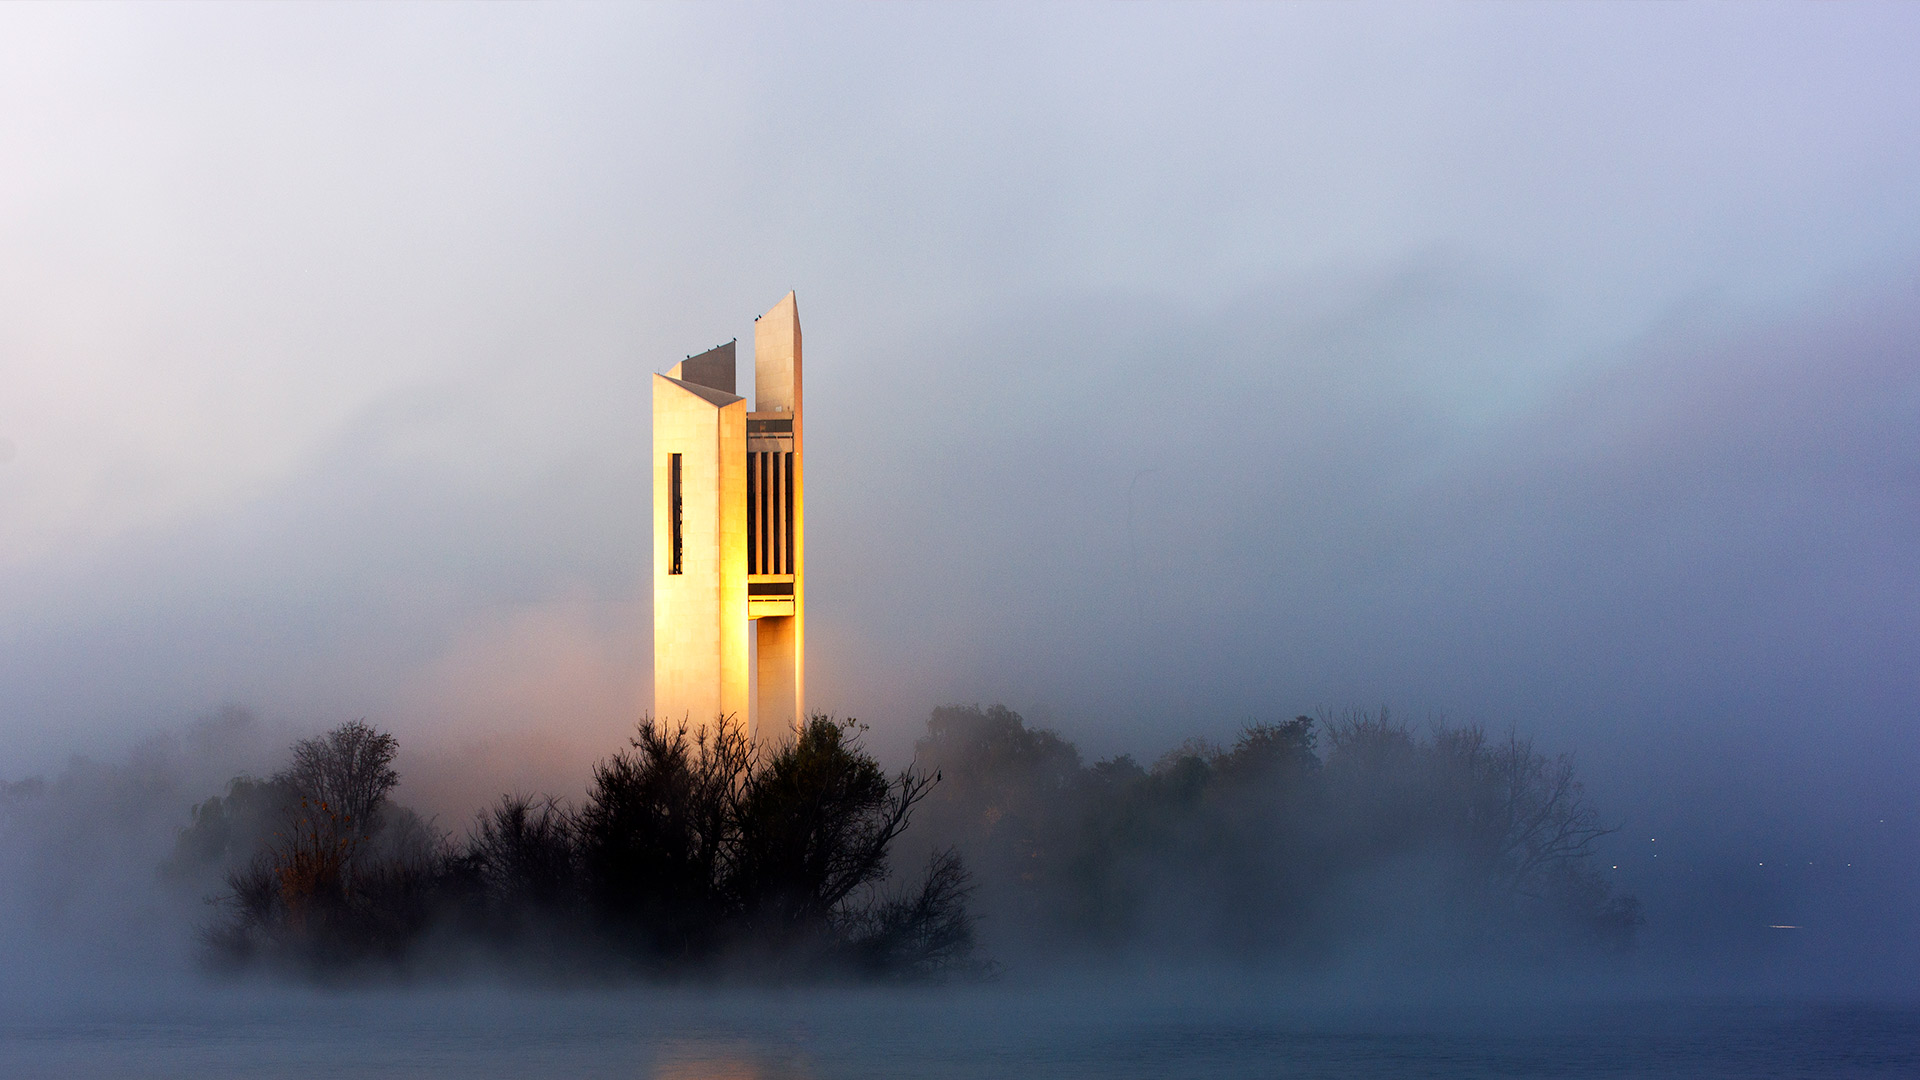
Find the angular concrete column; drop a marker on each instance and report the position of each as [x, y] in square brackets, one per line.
[777, 392]
[700, 555]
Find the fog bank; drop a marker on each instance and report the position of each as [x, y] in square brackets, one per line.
[1549, 368]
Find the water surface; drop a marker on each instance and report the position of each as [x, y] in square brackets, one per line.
[1120, 1029]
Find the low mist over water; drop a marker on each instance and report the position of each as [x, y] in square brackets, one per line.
[1075, 1031]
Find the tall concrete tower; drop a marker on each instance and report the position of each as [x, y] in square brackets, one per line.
[729, 536]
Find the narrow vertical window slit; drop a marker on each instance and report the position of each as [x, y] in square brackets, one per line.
[674, 545]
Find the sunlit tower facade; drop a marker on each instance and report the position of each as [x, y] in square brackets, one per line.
[729, 536]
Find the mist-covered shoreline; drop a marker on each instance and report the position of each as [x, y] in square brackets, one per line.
[701, 851]
[102, 975]
[93, 874]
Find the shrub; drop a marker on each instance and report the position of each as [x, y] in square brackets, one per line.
[690, 848]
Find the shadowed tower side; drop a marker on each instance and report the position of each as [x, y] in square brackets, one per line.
[699, 541]
[776, 521]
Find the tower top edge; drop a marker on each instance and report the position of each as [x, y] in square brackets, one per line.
[718, 398]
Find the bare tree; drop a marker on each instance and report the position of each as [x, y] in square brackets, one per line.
[343, 777]
[919, 933]
[1547, 822]
[1524, 814]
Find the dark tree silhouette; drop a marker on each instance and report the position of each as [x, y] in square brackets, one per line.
[344, 776]
[525, 859]
[696, 851]
[815, 825]
[690, 848]
[656, 834]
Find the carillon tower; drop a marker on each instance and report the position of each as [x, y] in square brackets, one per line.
[729, 537]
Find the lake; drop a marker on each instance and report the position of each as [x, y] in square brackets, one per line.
[1119, 1027]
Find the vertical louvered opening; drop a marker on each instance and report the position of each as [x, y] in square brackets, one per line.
[786, 514]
